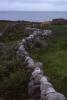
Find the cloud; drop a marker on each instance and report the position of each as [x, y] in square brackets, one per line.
[38, 1]
[34, 5]
[23, 1]
[56, 2]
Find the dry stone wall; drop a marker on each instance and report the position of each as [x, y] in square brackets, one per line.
[39, 88]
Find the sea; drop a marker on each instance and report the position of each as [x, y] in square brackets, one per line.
[35, 16]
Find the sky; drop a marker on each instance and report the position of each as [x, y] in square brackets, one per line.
[33, 5]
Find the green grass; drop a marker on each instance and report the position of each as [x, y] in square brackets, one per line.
[60, 30]
[54, 59]
[13, 76]
[55, 64]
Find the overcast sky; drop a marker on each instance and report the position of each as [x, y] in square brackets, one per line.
[33, 5]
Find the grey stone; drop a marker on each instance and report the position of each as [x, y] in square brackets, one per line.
[45, 84]
[48, 92]
[1, 34]
[32, 36]
[29, 61]
[22, 52]
[38, 64]
[55, 96]
[35, 33]
[23, 41]
[36, 75]
[37, 71]
[30, 30]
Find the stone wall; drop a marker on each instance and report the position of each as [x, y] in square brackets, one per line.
[39, 88]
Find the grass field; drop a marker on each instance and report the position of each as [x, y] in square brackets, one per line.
[53, 57]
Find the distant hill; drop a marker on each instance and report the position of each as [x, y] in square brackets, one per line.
[59, 21]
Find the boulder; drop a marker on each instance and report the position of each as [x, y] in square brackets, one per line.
[38, 64]
[48, 92]
[30, 30]
[55, 96]
[22, 52]
[45, 84]
[29, 61]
